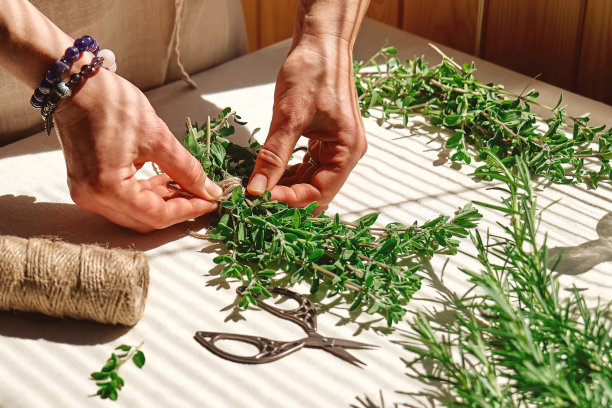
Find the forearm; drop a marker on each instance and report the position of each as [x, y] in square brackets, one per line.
[29, 41]
[330, 22]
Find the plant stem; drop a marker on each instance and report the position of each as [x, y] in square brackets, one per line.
[208, 137]
[130, 354]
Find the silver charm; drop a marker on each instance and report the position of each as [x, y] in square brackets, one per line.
[63, 90]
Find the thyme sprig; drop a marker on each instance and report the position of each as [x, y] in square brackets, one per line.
[372, 268]
[483, 116]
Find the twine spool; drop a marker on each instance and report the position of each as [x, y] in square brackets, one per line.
[66, 280]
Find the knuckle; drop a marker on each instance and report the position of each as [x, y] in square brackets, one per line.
[287, 116]
[270, 159]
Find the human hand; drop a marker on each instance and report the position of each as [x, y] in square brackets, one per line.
[315, 97]
[108, 130]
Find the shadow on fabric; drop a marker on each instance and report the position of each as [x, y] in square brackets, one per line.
[586, 256]
[70, 331]
[24, 217]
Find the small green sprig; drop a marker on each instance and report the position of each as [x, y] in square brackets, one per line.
[108, 379]
[372, 268]
[219, 157]
[483, 116]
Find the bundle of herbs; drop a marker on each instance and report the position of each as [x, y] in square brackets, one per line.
[483, 116]
[372, 268]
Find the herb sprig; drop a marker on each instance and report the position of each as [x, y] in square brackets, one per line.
[483, 116]
[107, 379]
[518, 342]
[372, 268]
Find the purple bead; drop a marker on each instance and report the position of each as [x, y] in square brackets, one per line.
[39, 95]
[60, 67]
[35, 102]
[94, 47]
[88, 40]
[81, 44]
[45, 86]
[75, 79]
[52, 76]
[71, 54]
[97, 62]
[86, 70]
[65, 61]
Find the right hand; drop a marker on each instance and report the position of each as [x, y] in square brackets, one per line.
[108, 130]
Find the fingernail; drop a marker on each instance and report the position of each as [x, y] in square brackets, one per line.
[258, 184]
[212, 188]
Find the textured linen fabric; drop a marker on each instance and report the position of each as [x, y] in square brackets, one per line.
[140, 33]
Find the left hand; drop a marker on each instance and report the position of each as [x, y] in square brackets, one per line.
[315, 97]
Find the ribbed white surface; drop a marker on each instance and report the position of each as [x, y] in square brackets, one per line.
[46, 362]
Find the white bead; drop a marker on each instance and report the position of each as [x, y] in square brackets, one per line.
[109, 57]
[112, 68]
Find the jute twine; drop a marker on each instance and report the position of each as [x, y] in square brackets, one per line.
[66, 280]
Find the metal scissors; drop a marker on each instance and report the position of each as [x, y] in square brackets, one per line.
[305, 316]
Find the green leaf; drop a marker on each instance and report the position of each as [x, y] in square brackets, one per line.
[218, 152]
[193, 146]
[139, 359]
[452, 120]
[223, 259]
[124, 347]
[315, 255]
[368, 219]
[110, 365]
[386, 247]
[237, 195]
[99, 375]
[454, 140]
[310, 207]
[260, 222]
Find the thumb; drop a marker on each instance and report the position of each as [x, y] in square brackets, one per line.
[186, 170]
[273, 157]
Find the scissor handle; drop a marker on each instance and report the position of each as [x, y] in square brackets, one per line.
[269, 350]
[304, 315]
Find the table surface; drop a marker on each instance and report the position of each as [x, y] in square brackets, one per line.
[405, 175]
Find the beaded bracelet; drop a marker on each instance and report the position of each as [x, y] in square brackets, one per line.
[64, 90]
[85, 43]
[47, 96]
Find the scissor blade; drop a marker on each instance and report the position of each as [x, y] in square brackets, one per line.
[350, 344]
[345, 355]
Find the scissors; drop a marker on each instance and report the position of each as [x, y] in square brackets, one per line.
[305, 316]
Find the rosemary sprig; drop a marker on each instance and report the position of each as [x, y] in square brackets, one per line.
[518, 342]
[483, 116]
[372, 268]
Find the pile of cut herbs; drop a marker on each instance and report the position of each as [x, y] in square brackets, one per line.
[517, 341]
[371, 268]
[483, 116]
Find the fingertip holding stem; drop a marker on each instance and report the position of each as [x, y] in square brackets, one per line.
[212, 189]
[258, 184]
